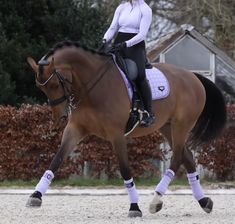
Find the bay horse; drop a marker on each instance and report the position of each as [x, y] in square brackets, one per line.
[86, 86]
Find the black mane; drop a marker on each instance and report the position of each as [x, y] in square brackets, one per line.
[69, 43]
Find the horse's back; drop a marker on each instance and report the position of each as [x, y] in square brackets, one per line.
[178, 76]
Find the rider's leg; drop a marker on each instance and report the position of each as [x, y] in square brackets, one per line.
[137, 54]
[146, 94]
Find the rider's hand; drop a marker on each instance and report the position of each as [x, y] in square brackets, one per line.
[103, 46]
[120, 46]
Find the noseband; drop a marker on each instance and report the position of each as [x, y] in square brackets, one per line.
[62, 81]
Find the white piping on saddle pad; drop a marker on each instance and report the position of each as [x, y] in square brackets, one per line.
[158, 83]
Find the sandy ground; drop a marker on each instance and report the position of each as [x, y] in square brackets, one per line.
[101, 209]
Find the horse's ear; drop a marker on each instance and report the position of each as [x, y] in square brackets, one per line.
[32, 63]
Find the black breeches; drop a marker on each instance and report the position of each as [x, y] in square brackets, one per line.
[136, 53]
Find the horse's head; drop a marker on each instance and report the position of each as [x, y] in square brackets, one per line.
[55, 85]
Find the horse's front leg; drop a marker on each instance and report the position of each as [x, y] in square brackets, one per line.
[70, 139]
[120, 148]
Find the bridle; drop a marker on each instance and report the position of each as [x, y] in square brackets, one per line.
[69, 95]
[63, 81]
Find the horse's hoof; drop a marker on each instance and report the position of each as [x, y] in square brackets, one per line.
[134, 211]
[134, 214]
[206, 204]
[35, 200]
[156, 204]
[153, 208]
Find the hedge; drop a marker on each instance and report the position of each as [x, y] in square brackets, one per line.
[28, 143]
[219, 155]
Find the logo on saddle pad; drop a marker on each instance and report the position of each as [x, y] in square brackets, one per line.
[161, 88]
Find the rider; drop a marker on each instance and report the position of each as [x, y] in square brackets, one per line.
[131, 22]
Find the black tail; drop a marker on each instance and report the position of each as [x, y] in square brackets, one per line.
[213, 117]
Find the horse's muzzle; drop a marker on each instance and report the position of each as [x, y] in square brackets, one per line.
[59, 120]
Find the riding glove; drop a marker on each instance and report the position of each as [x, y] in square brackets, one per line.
[120, 46]
[104, 46]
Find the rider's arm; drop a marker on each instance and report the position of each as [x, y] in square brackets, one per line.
[114, 25]
[145, 23]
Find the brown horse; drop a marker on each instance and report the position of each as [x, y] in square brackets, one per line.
[87, 87]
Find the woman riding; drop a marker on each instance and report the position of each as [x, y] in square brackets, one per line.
[131, 22]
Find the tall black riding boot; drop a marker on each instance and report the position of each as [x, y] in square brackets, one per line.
[146, 94]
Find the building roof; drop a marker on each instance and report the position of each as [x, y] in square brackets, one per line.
[168, 40]
[156, 47]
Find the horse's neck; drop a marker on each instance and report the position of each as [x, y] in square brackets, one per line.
[90, 71]
[101, 91]
[85, 64]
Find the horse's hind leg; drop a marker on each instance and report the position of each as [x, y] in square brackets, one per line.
[193, 178]
[119, 144]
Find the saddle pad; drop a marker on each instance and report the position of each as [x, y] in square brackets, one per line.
[158, 83]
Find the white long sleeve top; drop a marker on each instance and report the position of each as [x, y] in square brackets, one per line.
[131, 18]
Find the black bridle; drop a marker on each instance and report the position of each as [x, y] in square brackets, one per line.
[63, 81]
[68, 96]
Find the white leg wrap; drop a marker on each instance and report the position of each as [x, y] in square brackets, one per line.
[132, 192]
[194, 182]
[165, 181]
[44, 182]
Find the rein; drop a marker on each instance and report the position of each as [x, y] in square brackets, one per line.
[85, 93]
